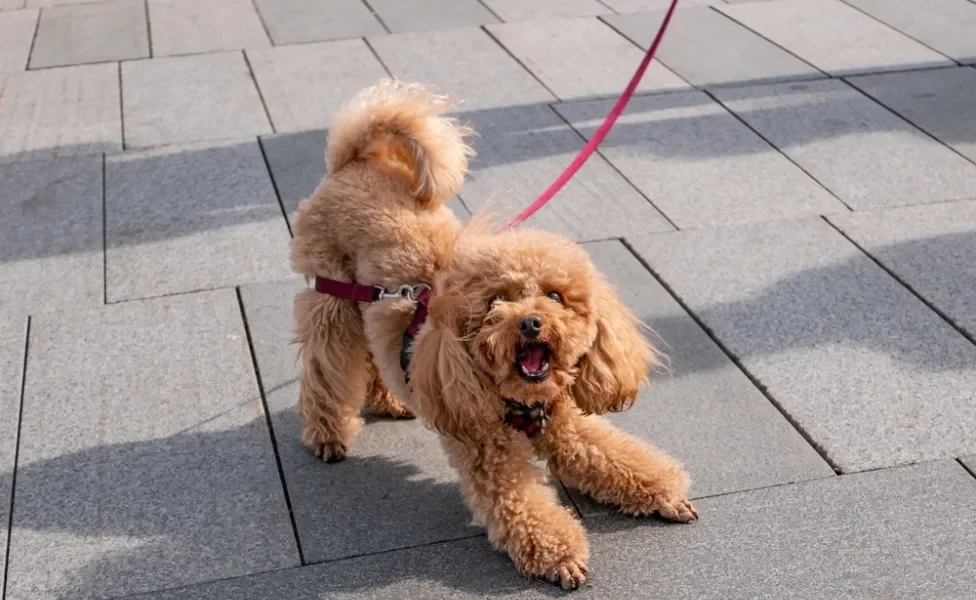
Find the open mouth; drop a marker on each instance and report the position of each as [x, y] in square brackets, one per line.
[532, 361]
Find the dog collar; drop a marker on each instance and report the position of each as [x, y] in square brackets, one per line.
[529, 421]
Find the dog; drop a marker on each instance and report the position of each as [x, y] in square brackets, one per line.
[524, 345]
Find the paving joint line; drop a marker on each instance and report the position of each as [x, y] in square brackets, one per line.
[264, 25]
[491, 11]
[777, 149]
[376, 16]
[965, 466]
[949, 320]
[900, 32]
[30, 50]
[270, 426]
[918, 128]
[735, 360]
[616, 170]
[257, 87]
[13, 476]
[505, 49]
[376, 55]
[104, 233]
[148, 29]
[274, 185]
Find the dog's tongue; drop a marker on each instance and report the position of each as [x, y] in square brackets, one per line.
[533, 359]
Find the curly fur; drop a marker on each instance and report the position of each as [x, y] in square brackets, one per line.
[378, 218]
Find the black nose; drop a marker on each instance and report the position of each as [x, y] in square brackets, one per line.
[530, 326]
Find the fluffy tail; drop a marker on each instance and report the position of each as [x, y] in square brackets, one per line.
[402, 126]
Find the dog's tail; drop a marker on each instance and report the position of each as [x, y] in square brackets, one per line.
[402, 126]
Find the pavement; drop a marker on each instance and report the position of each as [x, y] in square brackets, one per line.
[790, 203]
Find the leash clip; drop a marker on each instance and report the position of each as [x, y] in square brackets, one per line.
[404, 292]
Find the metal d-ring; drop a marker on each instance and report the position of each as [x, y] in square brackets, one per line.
[404, 292]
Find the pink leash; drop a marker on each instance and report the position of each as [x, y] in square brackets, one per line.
[597, 139]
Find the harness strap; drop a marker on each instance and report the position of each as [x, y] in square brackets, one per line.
[348, 291]
[529, 421]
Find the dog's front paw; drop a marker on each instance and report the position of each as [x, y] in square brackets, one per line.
[557, 552]
[680, 510]
[569, 573]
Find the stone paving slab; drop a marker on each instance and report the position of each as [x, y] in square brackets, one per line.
[145, 461]
[16, 33]
[970, 463]
[705, 412]
[13, 334]
[300, 21]
[88, 33]
[931, 248]
[939, 102]
[394, 490]
[708, 49]
[549, 49]
[51, 235]
[466, 63]
[304, 86]
[429, 15]
[520, 10]
[522, 151]
[61, 112]
[190, 26]
[878, 535]
[873, 376]
[699, 164]
[163, 237]
[867, 156]
[214, 98]
[943, 25]
[833, 36]
[297, 164]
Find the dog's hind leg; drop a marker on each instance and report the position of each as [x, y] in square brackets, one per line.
[335, 372]
[381, 402]
[589, 454]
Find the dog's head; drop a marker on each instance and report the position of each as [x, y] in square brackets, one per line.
[524, 316]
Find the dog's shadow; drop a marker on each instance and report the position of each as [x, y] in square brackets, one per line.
[198, 506]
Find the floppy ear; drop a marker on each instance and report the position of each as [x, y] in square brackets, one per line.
[449, 389]
[619, 362]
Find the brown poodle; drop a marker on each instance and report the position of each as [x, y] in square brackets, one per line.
[524, 345]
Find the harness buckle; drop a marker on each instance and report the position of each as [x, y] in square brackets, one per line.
[404, 292]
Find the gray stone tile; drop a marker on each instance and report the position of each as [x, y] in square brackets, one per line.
[87, 33]
[707, 48]
[465, 63]
[299, 21]
[857, 149]
[931, 248]
[304, 86]
[165, 237]
[395, 490]
[849, 537]
[833, 36]
[944, 25]
[699, 164]
[519, 10]
[190, 98]
[970, 463]
[549, 49]
[61, 112]
[515, 164]
[705, 412]
[12, 4]
[940, 102]
[872, 375]
[633, 6]
[145, 461]
[51, 235]
[189, 26]
[16, 33]
[297, 162]
[431, 15]
[13, 334]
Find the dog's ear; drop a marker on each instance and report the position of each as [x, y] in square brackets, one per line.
[620, 359]
[450, 390]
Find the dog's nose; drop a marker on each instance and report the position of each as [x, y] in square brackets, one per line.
[530, 326]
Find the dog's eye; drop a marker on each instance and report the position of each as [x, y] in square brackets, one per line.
[494, 301]
[556, 297]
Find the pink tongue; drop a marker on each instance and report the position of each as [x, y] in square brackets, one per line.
[533, 359]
